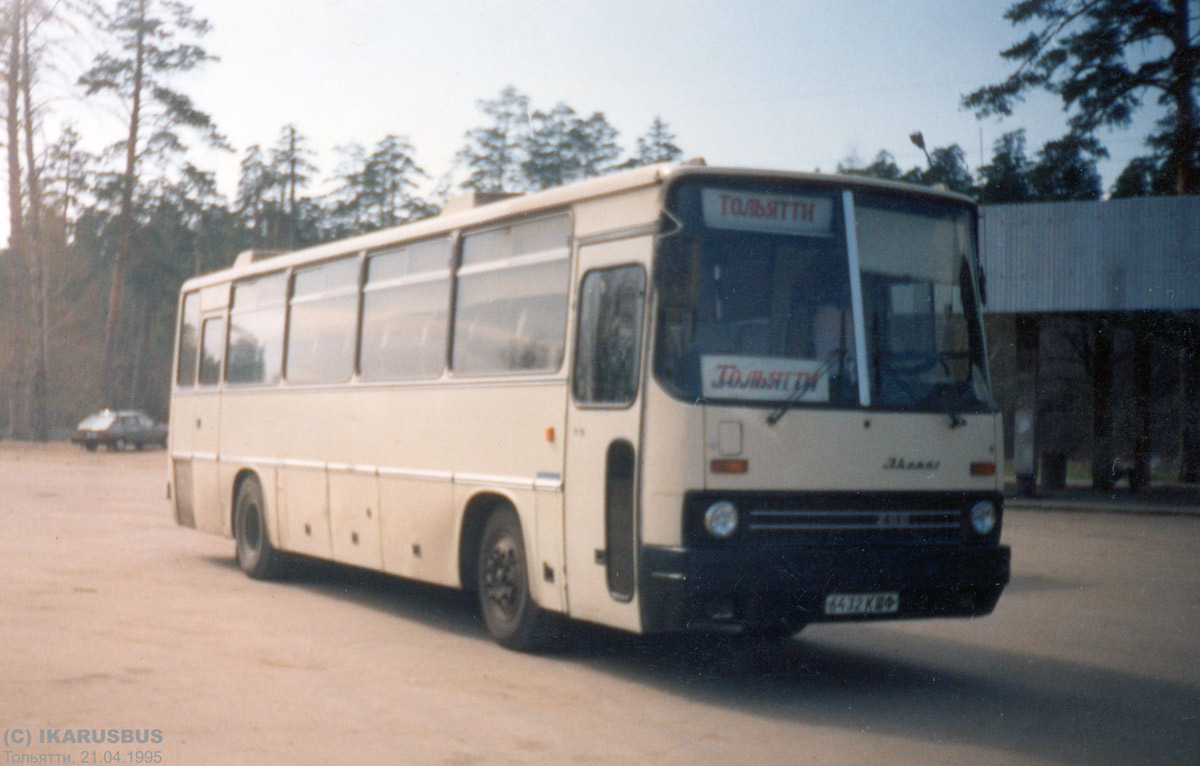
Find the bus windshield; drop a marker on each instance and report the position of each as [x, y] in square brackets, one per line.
[756, 300]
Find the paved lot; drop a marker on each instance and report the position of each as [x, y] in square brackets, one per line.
[111, 618]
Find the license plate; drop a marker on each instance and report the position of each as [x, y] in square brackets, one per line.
[862, 603]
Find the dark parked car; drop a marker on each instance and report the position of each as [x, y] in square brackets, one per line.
[116, 430]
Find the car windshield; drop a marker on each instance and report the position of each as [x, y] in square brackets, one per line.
[98, 422]
[755, 299]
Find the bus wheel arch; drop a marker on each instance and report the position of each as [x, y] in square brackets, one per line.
[494, 562]
[255, 554]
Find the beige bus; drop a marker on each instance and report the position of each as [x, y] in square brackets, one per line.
[675, 398]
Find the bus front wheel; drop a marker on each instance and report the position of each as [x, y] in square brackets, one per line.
[512, 617]
[255, 554]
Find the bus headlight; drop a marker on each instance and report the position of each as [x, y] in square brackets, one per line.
[721, 519]
[983, 517]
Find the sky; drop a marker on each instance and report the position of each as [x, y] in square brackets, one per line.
[787, 84]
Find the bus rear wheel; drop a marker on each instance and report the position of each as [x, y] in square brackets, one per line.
[255, 554]
[509, 612]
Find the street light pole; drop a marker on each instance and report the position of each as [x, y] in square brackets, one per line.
[919, 141]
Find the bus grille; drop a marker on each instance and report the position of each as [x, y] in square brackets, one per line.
[840, 519]
[850, 526]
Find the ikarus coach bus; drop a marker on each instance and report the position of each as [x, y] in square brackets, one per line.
[678, 398]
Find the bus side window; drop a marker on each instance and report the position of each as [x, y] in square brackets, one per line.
[323, 320]
[608, 347]
[189, 341]
[406, 305]
[256, 321]
[511, 303]
[212, 343]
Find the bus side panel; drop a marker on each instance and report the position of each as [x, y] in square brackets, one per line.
[673, 438]
[504, 438]
[183, 493]
[436, 445]
[623, 211]
[354, 518]
[398, 451]
[407, 433]
[417, 529]
[305, 512]
[546, 572]
[267, 425]
[182, 425]
[210, 505]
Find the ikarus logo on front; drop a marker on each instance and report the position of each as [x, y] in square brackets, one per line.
[904, 464]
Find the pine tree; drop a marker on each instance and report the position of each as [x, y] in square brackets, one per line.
[1066, 170]
[153, 46]
[255, 181]
[390, 175]
[883, 166]
[657, 145]
[291, 170]
[593, 146]
[493, 154]
[1006, 179]
[549, 159]
[1103, 58]
[346, 205]
[947, 169]
[1142, 177]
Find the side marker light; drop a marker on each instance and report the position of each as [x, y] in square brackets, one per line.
[729, 465]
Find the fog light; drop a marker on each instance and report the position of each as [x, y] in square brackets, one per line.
[983, 517]
[721, 519]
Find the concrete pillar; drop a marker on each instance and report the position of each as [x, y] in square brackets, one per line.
[1143, 346]
[1025, 411]
[1189, 404]
[1103, 454]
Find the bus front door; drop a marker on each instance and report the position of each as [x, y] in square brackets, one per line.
[603, 434]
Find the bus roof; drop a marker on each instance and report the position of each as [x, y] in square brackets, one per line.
[466, 213]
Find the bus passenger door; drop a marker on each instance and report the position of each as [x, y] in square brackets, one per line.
[204, 421]
[603, 434]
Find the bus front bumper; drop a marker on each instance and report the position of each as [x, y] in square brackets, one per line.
[783, 589]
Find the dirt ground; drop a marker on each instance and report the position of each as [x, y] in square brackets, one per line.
[112, 619]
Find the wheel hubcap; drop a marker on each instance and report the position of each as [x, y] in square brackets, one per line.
[500, 576]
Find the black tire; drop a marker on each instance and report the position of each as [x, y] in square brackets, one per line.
[511, 616]
[255, 554]
[89, 446]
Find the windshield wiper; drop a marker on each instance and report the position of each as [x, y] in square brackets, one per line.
[808, 385]
[839, 354]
